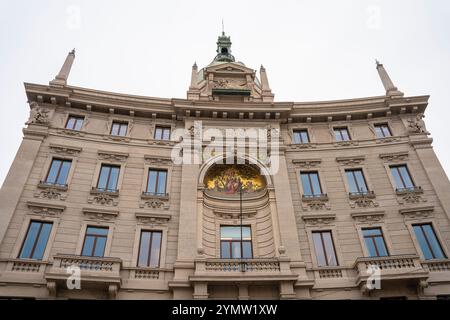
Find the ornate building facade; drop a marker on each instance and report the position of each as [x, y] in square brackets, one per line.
[348, 201]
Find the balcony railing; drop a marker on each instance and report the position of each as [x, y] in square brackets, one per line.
[104, 190]
[391, 268]
[437, 265]
[46, 184]
[312, 197]
[242, 265]
[362, 194]
[415, 189]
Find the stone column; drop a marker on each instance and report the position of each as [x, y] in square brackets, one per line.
[18, 174]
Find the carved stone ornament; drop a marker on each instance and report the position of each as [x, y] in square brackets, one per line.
[307, 163]
[98, 214]
[363, 201]
[417, 213]
[65, 150]
[417, 125]
[104, 198]
[154, 202]
[411, 196]
[51, 192]
[38, 114]
[315, 203]
[45, 209]
[351, 161]
[157, 160]
[112, 156]
[394, 157]
[368, 217]
[153, 218]
[319, 219]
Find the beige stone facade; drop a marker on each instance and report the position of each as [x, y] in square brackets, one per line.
[283, 217]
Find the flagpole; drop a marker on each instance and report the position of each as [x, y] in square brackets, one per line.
[240, 211]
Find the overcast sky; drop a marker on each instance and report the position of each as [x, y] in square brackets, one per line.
[312, 50]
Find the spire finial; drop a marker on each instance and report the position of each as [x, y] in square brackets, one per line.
[63, 75]
[223, 28]
[391, 89]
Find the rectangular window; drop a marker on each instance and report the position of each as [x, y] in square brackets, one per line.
[301, 136]
[59, 171]
[311, 184]
[230, 242]
[95, 242]
[374, 241]
[36, 240]
[431, 248]
[402, 177]
[324, 248]
[382, 131]
[108, 179]
[150, 249]
[157, 182]
[342, 134]
[119, 129]
[162, 133]
[356, 181]
[75, 123]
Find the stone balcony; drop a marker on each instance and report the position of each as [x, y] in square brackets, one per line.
[406, 268]
[94, 273]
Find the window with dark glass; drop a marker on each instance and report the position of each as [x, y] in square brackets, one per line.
[356, 181]
[95, 242]
[311, 184]
[402, 178]
[119, 129]
[75, 123]
[382, 130]
[59, 171]
[342, 134]
[301, 136]
[36, 240]
[150, 249]
[157, 181]
[429, 244]
[230, 242]
[109, 176]
[324, 248]
[162, 133]
[374, 241]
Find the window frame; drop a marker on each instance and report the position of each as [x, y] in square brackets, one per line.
[158, 171]
[150, 249]
[235, 241]
[374, 242]
[120, 123]
[341, 128]
[299, 130]
[108, 179]
[37, 238]
[95, 241]
[141, 226]
[62, 160]
[77, 118]
[381, 124]
[396, 188]
[366, 185]
[163, 128]
[437, 236]
[313, 195]
[321, 232]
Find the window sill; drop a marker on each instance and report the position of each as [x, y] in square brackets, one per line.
[319, 197]
[403, 191]
[360, 195]
[59, 187]
[149, 195]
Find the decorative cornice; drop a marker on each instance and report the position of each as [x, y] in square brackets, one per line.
[99, 214]
[153, 218]
[65, 150]
[307, 163]
[157, 160]
[351, 160]
[112, 155]
[395, 156]
[319, 219]
[417, 212]
[368, 217]
[45, 208]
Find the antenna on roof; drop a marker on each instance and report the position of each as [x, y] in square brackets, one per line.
[223, 27]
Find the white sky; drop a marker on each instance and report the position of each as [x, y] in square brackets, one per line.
[312, 50]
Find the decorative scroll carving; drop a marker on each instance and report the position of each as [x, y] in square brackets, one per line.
[346, 143]
[65, 150]
[45, 209]
[307, 163]
[303, 146]
[316, 203]
[394, 157]
[38, 115]
[51, 192]
[319, 219]
[234, 214]
[417, 125]
[153, 219]
[363, 200]
[97, 214]
[368, 217]
[351, 161]
[112, 156]
[104, 198]
[417, 213]
[410, 196]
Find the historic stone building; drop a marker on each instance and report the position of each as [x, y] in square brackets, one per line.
[357, 194]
